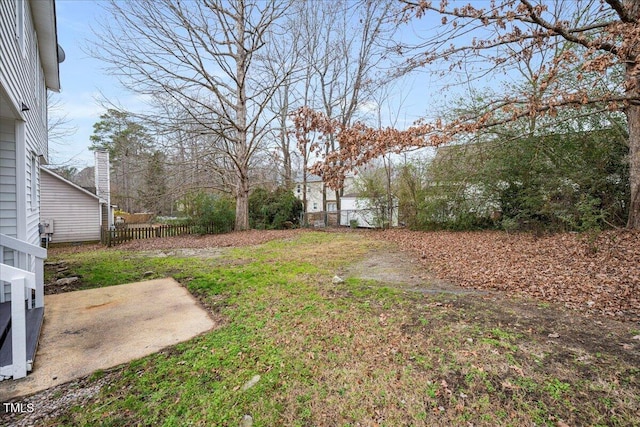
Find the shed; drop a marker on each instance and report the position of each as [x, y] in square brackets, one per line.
[366, 213]
[72, 212]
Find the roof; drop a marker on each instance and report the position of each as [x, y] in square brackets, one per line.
[71, 184]
[318, 178]
[44, 20]
[310, 178]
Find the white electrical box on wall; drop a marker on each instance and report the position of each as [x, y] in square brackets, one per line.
[47, 225]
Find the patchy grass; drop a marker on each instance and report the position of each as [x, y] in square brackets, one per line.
[361, 352]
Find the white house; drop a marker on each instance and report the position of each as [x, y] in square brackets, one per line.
[29, 58]
[315, 186]
[71, 213]
[352, 207]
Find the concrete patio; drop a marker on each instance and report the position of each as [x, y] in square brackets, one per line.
[85, 331]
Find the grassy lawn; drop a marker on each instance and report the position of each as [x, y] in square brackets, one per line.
[359, 352]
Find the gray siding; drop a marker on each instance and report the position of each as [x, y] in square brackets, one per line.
[23, 134]
[75, 213]
[21, 74]
[8, 202]
[22, 78]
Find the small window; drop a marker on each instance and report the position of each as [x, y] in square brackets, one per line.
[298, 188]
[332, 207]
[315, 206]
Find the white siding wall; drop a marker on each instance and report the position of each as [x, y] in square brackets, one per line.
[314, 193]
[22, 79]
[8, 223]
[8, 203]
[23, 134]
[76, 214]
[21, 75]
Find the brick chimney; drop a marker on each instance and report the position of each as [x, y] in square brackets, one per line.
[103, 185]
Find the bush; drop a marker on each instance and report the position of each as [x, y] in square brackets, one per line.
[271, 210]
[571, 181]
[211, 210]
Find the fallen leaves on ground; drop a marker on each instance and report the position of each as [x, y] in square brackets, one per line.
[237, 238]
[594, 274]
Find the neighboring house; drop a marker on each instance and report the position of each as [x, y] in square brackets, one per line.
[461, 195]
[29, 57]
[315, 187]
[71, 213]
[352, 207]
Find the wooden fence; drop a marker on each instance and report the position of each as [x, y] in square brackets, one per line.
[124, 234]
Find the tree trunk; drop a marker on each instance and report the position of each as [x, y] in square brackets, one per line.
[633, 119]
[242, 202]
[241, 152]
[304, 193]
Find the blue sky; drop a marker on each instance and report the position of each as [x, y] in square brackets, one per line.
[84, 82]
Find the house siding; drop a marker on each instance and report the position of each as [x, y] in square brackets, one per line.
[75, 214]
[21, 75]
[8, 202]
[23, 126]
[24, 138]
[314, 193]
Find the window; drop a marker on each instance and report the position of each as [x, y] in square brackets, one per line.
[298, 189]
[332, 207]
[315, 206]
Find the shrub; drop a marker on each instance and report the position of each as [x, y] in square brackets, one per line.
[270, 210]
[212, 213]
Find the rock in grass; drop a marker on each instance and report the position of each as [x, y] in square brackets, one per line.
[148, 273]
[253, 381]
[337, 279]
[247, 421]
[67, 281]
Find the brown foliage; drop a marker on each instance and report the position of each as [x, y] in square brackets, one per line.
[598, 275]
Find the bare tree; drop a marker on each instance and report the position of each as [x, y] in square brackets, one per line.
[486, 42]
[202, 56]
[59, 125]
[283, 57]
[344, 44]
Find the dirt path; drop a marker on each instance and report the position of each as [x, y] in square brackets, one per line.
[568, 333]
[398, 269]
